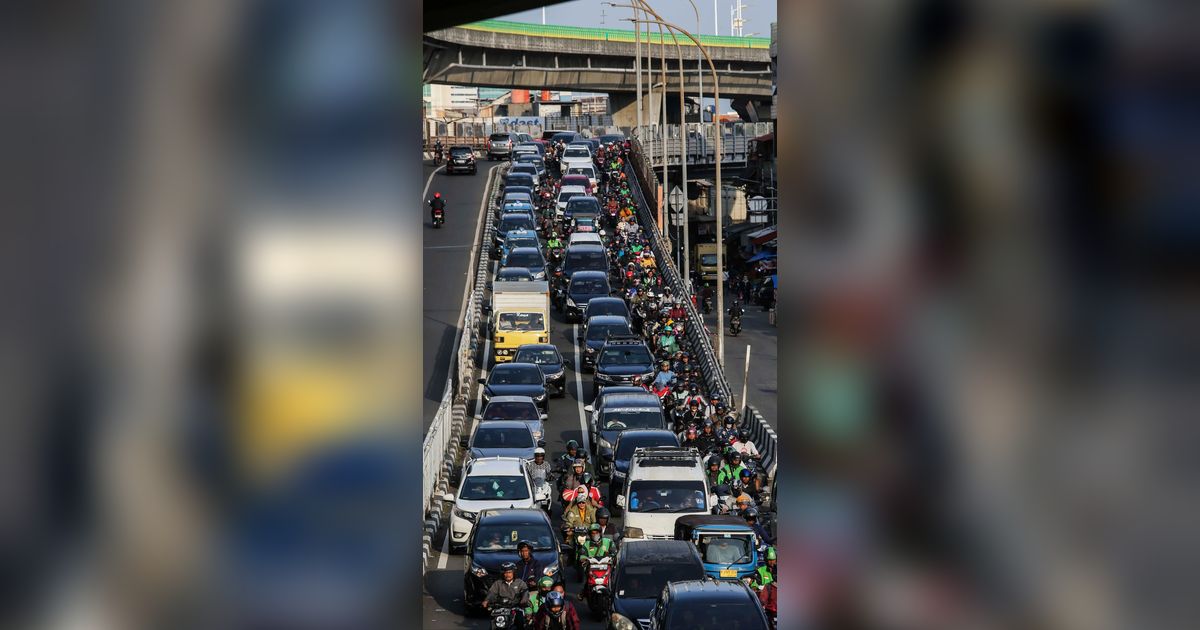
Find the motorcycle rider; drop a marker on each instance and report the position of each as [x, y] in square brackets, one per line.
[567, 459]
[436, 204]
[545, 584]
[765, 582]
[557, 614]
[708, 437]
[607, 528]
[437, 150]
[539, 464]
[529, 569]
[714, 470]
[552, 242]
[572, 480]
[508, 588]
[735, 314]
[665, 376]
[744, 446]
[751, 516]
[589, 489]
[596, 546]
[580, 514]
[690, 439]
[732, 470]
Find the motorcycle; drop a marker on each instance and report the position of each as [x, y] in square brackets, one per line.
[708, 304]
[504, 615]
[599, 597]
[735, 325]
[439, 218]
[437, 157]
[577, 536]
[541, 490]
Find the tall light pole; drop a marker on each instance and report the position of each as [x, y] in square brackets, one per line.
[720, 211]
[699, 70]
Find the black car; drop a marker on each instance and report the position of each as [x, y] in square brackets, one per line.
[494, 542]
[623, 361]
[583, 286]
[585, 257]
[613, 413]
[622, 452]
[529, 258]
[708, 605]
[585, 204]
[513, 221]
[520, 179]
[546, 357]
[596, 331]
[612, 137]
[462, 160]
[565, 137]
[516, 379]
[606, 306]
[643, 569]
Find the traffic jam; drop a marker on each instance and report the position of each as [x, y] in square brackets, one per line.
[661, 515]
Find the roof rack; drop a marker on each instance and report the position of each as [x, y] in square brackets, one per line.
[665, 455]
[624, 339]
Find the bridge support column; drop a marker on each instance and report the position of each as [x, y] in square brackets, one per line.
[624, 108]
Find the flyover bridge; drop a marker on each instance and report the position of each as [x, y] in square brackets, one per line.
[497, 53]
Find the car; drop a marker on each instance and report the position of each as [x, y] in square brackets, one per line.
[596, 331]
[708, 605]
[488, 482]
[520, 179]
[587, 170]
[547, 357]
[502, 438]
[582, 287]
[622, 361]
[514, 274]
[613, 413]
[515, 207]
[577, 180]
[462, 160]
[572, 154]
[565, 194]
[513, 221]
[494, 542]
[641, 571]
[663, 484]
[515, 408]
[528, 169]
[532, 145]
[528, 257]
[500, 145]
[517, 194]
[516, 379]
[612, 137]
[518, 238]
[590, 238]
[534, 159]
[563, 137]
[581, 203]
[523, 137]
[552, 134]
[585, 257]
[628, 441]
[585, 223]
[606, 306]
[727, 545]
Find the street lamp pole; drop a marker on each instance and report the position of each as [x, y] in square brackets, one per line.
[699, 69]
[719, 210]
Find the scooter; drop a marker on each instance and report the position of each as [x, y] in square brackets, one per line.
[437, 157]
[541, 491]
[439, 218]
[576, 538]
[599, 595]
[735, 325]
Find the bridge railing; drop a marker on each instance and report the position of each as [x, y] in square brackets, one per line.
[701, 142]
[612, 35]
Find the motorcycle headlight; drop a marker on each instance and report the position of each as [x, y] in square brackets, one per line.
[500, 621]
[551, 570]
[478, 570]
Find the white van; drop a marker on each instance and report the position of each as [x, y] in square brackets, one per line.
[664, 483]
[487, 482]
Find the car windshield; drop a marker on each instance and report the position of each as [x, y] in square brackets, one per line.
[525, 168]
[519, 179]
[606, 308]
[593, 259]
[511, 411]
[633, 419]
[506, 537]
[724, 548]
[566, 195]
[703, 615]
[487, 488]
[600, 332]
[522, 241]
[541, 357]
[521, 322]
[646, 581]
[532, 260]
[518, 274]
[586, 171]
[625, 447]
[667, 496]
[625, 355]
[708, 259]
[582, 286]
[519, 375]
[583, 205]
[460, 151]
[512, 223]
[499, 136]
[578, 152]
[502, 438]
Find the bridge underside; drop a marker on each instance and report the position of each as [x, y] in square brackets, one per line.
[439, 14]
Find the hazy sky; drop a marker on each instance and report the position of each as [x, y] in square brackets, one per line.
[758, 15]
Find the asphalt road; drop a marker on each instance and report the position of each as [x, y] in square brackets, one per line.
[445, 259]
[763, 339]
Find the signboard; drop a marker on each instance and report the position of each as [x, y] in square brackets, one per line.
[758, 203]
[676, 198]
[520, 120]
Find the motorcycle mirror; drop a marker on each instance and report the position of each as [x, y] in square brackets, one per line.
[589, 408]
[543, 417]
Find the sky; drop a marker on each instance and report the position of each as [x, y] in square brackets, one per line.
[758, 15]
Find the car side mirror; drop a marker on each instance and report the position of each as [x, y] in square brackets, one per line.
[479, 416]
[589, 408]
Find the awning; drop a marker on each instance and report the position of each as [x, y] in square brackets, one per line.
[760, 231]
[759, 239]
[761, 256]
[765, 137]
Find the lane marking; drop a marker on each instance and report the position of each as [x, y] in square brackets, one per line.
[445, 554]
[579, 387]
[446, 246]
[428, 182]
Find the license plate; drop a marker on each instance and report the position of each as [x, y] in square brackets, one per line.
[729, 573]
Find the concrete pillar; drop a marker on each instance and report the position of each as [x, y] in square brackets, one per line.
[623, 106]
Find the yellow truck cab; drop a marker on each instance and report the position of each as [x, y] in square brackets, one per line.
[520, 314]
[706, 260]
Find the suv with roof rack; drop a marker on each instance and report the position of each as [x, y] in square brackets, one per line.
[622, 360]
[664, 483]
[707, 605]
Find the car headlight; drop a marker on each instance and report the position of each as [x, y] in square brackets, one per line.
[648, 376]
[540, 397]
[478, 570]
[621, 622]
[617, 473]
[469, 516]
[555, 375]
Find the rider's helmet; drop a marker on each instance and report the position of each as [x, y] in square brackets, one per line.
[524, 544]
[602, 513]
[743, 435]
[572, 445]
[691, 433]
[508, 567]
[771, 554]
[578, 464]
[581, 498]
[735, 458]
[666, 365]
[539, 451]
[586, 479]
[750, 513]
[594, 531]
[546, 582]
[437, 195]
[554, 599]
[714, 460]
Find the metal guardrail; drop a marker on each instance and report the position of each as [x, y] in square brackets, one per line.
[763, 435]
[611, 35]
[702, 142]
[440, 448]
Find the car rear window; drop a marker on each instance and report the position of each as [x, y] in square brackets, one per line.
[500, 136]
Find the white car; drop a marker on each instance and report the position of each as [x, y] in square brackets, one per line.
[574, 154]
[587, 170]
[564, 195]
[584, 237]
[487, 482]
[664, 483]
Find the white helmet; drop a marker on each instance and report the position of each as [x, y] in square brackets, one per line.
[539, 451]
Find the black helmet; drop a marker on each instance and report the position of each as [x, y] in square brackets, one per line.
[750, 513]
[744, 434]
[586, 479]
[508, 566]
[572, 444]
[714, 460]
[524, 543]
[708, 423]
[735, 456]
[602, 513]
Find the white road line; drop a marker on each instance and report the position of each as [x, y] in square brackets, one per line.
[425, 193]
[445, 554]
[579, 388]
